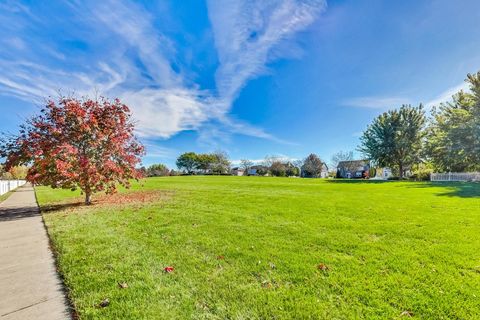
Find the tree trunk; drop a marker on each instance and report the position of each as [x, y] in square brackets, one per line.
[88, 198]
[400, 165]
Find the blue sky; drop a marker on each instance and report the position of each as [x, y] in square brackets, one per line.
[251, 78]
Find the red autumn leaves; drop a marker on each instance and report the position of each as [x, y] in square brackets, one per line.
[169, 269]
[86, 144]
[322, 267]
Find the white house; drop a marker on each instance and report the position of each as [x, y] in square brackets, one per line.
[384, 173]
[237, 171]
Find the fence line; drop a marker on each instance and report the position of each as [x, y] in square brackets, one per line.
[455, 176]
[9, 185]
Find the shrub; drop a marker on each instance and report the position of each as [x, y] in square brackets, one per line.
[278, 169]
[158, 170]
[421, 173]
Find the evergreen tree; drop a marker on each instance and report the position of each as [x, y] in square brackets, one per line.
[454, 135]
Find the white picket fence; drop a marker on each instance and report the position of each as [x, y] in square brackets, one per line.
[8, 185]
[455, 176]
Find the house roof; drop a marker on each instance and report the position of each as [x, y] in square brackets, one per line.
[258, 167]
[355, 163]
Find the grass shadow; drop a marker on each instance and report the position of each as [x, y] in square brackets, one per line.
[61, 206]
[357, 181]
[453, 189]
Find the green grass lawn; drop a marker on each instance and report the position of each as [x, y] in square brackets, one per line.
[250, 247]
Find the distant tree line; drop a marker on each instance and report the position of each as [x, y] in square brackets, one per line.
[446, 141]
[157, 170]
[218, 163]
[204, 163]
[279, 167]
[310, 167]
[192, 163]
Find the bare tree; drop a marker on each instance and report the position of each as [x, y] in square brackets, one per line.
[246, 164]
[269, 160]
[221, 162]
[312, 166]
[298, 163]
[340, 156]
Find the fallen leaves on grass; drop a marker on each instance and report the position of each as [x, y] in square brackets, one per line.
[132, 197]
[117, 199]
[122, 285]
[323, 267]
[406, 313]
[169, 269]
[104, 303]
[220, 258]
[269, 284]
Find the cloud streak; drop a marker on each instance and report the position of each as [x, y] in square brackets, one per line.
[376, 102]
[246, 32]
[385, 103]
[447, 95]
[127, 56]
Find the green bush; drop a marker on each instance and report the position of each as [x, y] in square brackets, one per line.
[422, 172]
[423, 175]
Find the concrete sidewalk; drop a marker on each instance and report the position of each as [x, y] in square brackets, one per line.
[29, 285]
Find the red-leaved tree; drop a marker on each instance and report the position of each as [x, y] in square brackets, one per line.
[86, 144]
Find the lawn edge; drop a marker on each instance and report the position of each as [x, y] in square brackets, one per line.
[74, 315]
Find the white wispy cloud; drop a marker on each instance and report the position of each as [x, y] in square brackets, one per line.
[161, 103]
[241, 127]
[376, 102]
[248, 36]
[34, 82]
[156, 151]
[135, 61]
[357, 134]
[238, 162]
[447, 95]
[384, 103]
[164, 112]
[134, 25]
[246, 32]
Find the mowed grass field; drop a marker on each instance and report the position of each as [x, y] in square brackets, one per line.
[271, 248]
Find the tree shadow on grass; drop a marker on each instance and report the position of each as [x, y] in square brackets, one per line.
[453, 189]
[61, 206]
[357, 181]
